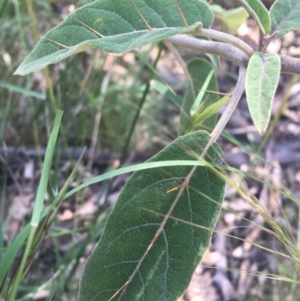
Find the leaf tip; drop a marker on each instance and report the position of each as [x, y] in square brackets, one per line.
[19, 71]
[261, 131]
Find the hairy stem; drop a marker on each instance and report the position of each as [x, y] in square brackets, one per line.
[227, 38]
[229, 52]
[224, 50]
[290, 64]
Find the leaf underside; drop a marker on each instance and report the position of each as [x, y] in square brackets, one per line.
[285, 17]
[261, 84]
[117, 27]
[160, 271]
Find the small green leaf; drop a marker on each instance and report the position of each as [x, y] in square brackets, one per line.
[117, 27]
[202, 91]
[285, 17]
[201, 115]
[260, 14]
[203, 78]
[261, 84]
[131, 261]
[231, 19]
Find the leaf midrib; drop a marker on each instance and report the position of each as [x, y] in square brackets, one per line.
[159, 231]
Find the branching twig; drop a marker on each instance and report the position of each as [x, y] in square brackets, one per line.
[229, 52]
[223, 50]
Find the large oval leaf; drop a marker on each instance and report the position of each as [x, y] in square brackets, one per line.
[285, 17]
[117, 27]
[261, 84]
[149, 249]
[260, 14]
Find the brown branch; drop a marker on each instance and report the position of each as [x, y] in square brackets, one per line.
[227, 38]
[223, 50]
[290, 64]
[231, 53]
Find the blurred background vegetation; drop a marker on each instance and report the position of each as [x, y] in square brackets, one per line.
[109, 109]
[101, 96]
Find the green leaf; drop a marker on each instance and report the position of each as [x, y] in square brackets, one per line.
[131, 261]
[215, 60]
[285, 17]
[22, 90]
[42, 188]
[261, 84]
[203, 78]
[259, 13]
[201, 93]
[201, 115]
[164, 90]
[12, 250]
[231, 19]
[117, 27]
